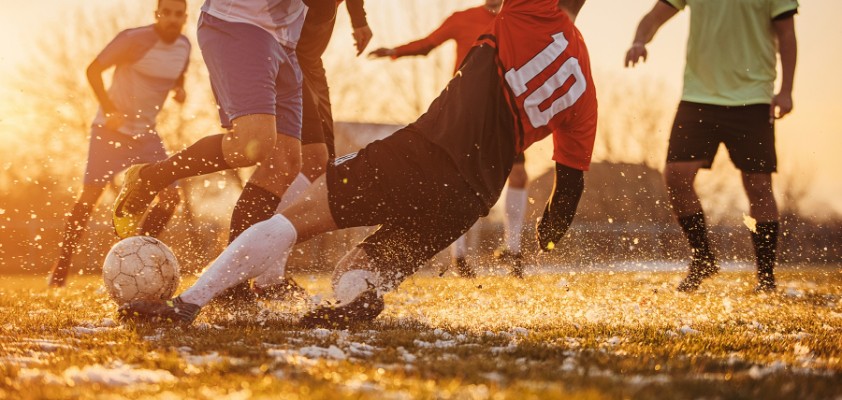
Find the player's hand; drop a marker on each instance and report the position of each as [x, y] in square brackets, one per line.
[114, 121]
[636, 52]
[781, 105]
[180, 95]
[381, 52]
[362, 36]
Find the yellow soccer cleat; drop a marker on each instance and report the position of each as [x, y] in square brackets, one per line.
[131, 203]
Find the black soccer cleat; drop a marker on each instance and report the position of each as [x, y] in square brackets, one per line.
[174, 311]
[700, 269]
[365, 308]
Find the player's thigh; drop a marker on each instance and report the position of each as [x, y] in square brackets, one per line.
[243, 63]
[694, 135]
[288, 94]
[750, 139]
[310, 214]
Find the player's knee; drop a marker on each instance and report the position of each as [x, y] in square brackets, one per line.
[249, 148]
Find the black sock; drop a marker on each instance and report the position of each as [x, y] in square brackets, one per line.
[695, 230]
[254, 205]
[156, 220]
[765, 241]
[203, 157]
[76, 223]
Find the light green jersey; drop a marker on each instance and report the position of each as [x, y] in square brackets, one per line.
[731, 50]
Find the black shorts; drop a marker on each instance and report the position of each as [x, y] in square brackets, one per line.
[746, 132]
[317, 117]
[409, 187]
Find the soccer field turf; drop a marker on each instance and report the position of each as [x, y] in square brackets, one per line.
[570, 334]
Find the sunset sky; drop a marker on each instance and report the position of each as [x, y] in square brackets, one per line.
[810, 137]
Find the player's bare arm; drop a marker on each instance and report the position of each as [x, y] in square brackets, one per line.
[113, 116]
[179, 94]
[646, 30]
[788, 49]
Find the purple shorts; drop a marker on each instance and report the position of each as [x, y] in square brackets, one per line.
[251, 73]
[111, 152]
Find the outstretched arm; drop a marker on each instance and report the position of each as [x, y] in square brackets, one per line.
[420, 47]
[561, 206]
[788, 47]
[646, 30]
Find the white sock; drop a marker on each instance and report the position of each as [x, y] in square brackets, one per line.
[515, 210]
[459, 248]
[296, 188]
[261, 249]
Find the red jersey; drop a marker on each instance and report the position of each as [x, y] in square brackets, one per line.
[546, 67]
[529, 77]
[463, 26]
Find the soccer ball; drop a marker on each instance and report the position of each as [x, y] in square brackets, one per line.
[140, 267]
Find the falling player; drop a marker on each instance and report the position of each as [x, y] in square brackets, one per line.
[464, 27]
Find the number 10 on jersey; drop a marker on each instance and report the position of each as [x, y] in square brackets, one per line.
[518, 78]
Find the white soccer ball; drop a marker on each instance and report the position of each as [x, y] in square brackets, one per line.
[140, 267]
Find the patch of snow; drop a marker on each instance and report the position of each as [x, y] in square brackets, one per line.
[361, 349]
[518, 331]
[320, 333]
[437, 344]
[315, 352]
[37, 376]
[122, 375]
[687, 330]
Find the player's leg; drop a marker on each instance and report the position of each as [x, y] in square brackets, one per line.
[752, 149]
[515, 209]
[151, 149]
[161, 213]
[109, 152]
[458, 258]
[262, 194]
[317, 121]
[238, 57]
[692, 146]
[764, 237]
[74, 227]
[314, 154]
[264, 190]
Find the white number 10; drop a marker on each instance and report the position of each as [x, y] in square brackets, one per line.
[517, 79]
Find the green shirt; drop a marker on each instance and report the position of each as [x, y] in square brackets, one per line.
[731, 50]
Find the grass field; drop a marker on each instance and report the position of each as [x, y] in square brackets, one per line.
[578, 335]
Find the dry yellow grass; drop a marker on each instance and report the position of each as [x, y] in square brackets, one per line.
[583, 335]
